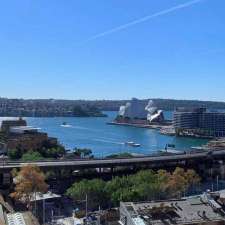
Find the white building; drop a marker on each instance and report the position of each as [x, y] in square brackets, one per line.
[154, 115]
[137, 109]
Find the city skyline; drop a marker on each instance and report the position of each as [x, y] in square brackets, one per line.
[112, 50]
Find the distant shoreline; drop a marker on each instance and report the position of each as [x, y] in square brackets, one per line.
[45, 116]
[102, 105]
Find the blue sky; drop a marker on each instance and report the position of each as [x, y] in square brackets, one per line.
[49, 49]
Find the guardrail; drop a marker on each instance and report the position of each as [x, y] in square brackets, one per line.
[119, 161]
[152, 155]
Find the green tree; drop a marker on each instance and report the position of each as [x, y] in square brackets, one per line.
[32, 156]
[121, 189]
[163, 178]
[145, 185]
[54, 152]
[94, 189]
[14, 154]
[120, 155]
[83, 152]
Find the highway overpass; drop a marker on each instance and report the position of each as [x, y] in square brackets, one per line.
[151, 162]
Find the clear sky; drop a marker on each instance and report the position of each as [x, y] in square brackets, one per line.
[112, 49]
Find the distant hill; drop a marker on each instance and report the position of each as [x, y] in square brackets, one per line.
[164, 104]
[54, 107]
[48, 108]
[171, 104]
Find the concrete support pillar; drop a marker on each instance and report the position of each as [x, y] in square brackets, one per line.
[6, 178]
[222, 170]
[58, 173]
[112, 169]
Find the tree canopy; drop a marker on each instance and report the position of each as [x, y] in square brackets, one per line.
[83, 152]
[94, 189]
[144, 185]
[52, 152]
[29, 180]
[31, 156]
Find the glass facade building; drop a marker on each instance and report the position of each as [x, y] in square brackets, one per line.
[199, 121]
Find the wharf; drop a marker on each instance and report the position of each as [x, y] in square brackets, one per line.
[149, 126]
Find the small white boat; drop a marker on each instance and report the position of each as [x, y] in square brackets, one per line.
[133, 144]
[136, 145]
[198, 148]
[129, 143]
[64, 124]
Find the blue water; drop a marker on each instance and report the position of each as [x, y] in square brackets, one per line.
[105, 139]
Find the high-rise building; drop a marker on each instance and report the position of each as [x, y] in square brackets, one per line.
[199, 121]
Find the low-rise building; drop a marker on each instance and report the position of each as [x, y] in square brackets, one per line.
[23, 130]
[8, 216]
[198, 210]
[28, 141]
[17, 135]
[7, 124]
[21, 218]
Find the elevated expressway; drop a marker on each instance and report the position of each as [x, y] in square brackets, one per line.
[151, 162]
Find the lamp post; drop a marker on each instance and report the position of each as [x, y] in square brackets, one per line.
[217, 182]
[86, 206]
[43, 210]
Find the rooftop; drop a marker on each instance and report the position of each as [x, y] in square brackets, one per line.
[24, 128]
[21, 218]
[185, 211]
[45, 196]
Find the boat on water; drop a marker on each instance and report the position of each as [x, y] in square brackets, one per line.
[64, 124]
[198, 148]
[133, 144]
[170, 149]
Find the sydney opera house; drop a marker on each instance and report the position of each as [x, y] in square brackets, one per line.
[137, 110]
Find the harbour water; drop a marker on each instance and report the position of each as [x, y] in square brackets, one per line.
[103, 139]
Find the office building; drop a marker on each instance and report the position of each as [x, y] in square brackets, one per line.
[199, 121]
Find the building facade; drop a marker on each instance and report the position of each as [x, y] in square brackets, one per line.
[20, 136]
[7, 124]
[199, 121]
[137, 110]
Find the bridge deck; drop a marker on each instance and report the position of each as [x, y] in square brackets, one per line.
[107, 163]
